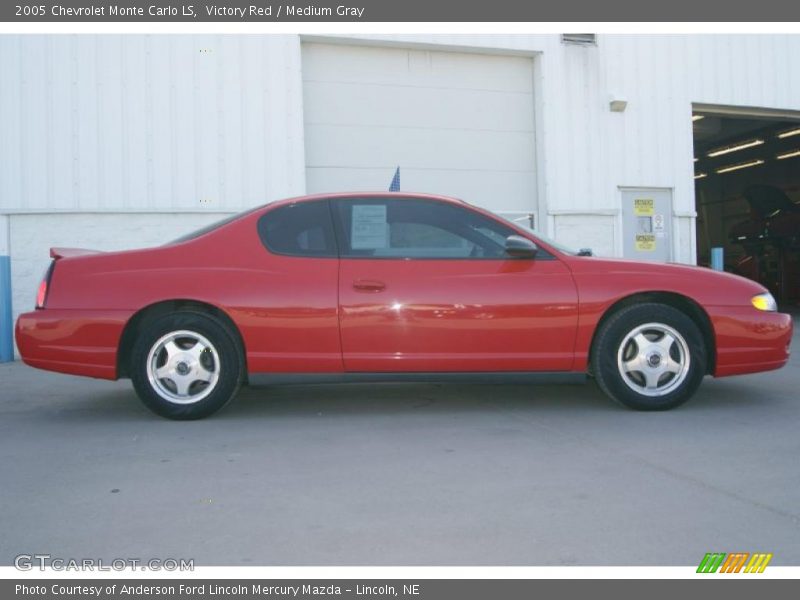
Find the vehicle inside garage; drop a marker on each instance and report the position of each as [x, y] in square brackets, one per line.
[747, 194]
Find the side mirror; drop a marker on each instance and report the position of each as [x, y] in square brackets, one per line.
[520, 247]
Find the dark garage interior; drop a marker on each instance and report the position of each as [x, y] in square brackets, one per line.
[747, 191]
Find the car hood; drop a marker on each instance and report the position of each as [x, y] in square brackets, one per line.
[666, 272]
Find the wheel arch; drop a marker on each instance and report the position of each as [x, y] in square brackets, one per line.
[685, 304]
[164, 307]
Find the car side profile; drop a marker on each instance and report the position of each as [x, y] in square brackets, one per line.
[390, 287]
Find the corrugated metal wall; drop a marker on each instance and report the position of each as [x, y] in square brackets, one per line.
[149, 123]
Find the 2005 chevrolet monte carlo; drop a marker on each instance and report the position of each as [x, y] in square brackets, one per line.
[390, 287]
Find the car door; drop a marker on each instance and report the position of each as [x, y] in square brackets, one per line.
[425, 285]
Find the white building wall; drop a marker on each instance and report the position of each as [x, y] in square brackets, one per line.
[586, 152]
[165, 123]
[106, 127]
[149, 123]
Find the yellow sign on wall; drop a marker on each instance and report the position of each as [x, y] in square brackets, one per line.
[645, 242]
[643, 207]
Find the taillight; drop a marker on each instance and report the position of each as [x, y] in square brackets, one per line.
[41, 294]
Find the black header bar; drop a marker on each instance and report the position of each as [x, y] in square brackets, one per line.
[265, 11]
[730, 587]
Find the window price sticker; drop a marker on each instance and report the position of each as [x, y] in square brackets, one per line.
[369, 228]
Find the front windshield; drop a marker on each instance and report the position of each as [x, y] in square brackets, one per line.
[558, 246]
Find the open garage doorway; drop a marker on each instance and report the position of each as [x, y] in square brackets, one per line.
[747, 194]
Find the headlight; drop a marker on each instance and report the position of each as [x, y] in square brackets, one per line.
[764, 301]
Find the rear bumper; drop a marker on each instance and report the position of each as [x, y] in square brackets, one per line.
[78, 342]
[750, 341]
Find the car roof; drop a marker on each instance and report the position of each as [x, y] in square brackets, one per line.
[366, 195]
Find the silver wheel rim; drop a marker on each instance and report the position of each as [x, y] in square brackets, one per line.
[183, 367]
[653, 359]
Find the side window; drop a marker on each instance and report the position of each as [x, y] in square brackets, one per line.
[422, 235]
[301, 229]
[413, 228]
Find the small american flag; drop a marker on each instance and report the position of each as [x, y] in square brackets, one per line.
[395, 185]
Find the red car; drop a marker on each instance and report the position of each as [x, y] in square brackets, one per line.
[390, 286]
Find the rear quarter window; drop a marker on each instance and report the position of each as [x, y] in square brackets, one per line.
[300, 229]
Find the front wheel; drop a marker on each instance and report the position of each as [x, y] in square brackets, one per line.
[649, 357]
[186, 365]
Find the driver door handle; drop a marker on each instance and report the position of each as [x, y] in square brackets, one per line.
[368, 285]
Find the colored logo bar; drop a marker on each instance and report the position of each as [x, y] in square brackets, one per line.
[736, 562]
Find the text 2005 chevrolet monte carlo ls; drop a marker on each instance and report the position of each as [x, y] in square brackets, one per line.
[390, 287]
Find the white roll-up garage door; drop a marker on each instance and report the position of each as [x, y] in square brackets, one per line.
[458, 124]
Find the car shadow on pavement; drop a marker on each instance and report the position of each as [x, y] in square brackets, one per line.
[347, 399]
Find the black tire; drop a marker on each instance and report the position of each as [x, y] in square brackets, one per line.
[215, 355]
[652, 373]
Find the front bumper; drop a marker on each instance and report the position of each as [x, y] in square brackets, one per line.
[750, 341]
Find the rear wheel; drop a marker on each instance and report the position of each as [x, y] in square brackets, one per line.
[649, 357]
[186, 365]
